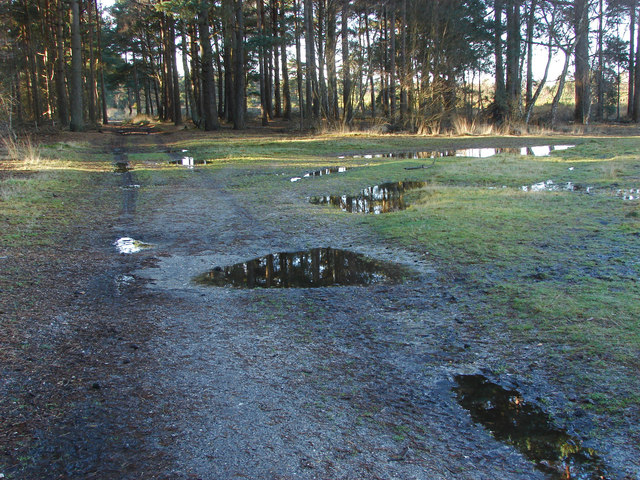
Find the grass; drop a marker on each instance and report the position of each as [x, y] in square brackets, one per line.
[559, 268]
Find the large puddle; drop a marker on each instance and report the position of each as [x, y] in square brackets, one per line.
[318, 267]
[384, 198]
[535, 151]
[511, 419]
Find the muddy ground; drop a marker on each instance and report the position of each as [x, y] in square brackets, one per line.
[124, 368]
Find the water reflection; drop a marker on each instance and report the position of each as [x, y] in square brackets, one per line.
[384, 198]
[188, 162]
[513, 420]
[551, 186]
[322, 172]
[127, 245]
[535, 151]
[318, 267]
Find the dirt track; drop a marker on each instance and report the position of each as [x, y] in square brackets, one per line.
[167, 379]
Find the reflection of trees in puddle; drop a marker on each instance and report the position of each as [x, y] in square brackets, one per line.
[384, 198]
[318, 267]
[513, 420]
[535, 151]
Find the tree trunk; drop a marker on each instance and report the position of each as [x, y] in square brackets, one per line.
[513, 84]
[310, 80]
[632, 25]
[346, 66]
[91, 80]
[103, 95]
[286, 90]
[301, 102]
[581, 28]
[276, 58]
[77, 122]
[210, 109]
[61, 84]
[561, 83]
[240, 99]
[500, 97]
[530, 24]
[177, 115]
[332, 90]
[370, 71]
[600, 109]
[261, 64]
[404, 74]
[392, 62]
[188, 91]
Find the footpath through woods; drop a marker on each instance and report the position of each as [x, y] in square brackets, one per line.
[149, 375]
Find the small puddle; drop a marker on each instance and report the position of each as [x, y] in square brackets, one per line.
[128, 245]
[535, 151]
[551, 186]
[628, 193]
[188, 162]
[511, 419]
[384, 198]
[122, 167]
[322, 172]
[318, 267]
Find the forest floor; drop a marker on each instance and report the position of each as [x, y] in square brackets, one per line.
[118, 365]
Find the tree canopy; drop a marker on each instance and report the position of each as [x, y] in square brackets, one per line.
[417, 65]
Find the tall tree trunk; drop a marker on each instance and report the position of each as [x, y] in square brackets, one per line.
[91, 80]
[500, 97]
[632, 25]
[188, 91]
[330, 51]
[561, 83]
[513, 84]
[310, 78]
[346, 66]
[210, 109]
[370, 70]
[261, 66]
[77, 121]
[239, 74]
[600, 108]
[530, 24]
[103, 95]
[636, 89]
[177, 115]
[286, 89]
[301, 100]
[61, 84]
[276, 58]
[581, 28]
[136, 84]
[196, 76]
[392, 66]
[228, 23]
[404, 74]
